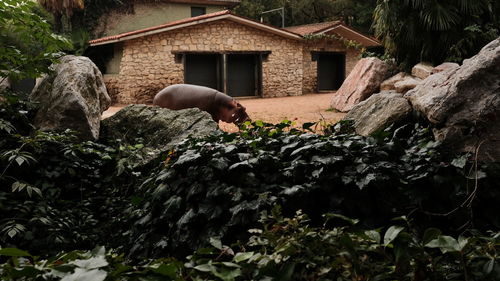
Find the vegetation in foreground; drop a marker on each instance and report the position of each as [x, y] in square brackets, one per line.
[287, 249]
[339, 194]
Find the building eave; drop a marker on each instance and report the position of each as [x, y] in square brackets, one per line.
[372, 42]
[224, 3]
[187, 23]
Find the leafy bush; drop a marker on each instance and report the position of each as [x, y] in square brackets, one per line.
[27, 44]
[217, 186]
[288, 249]
[435, 31]
[57, 194]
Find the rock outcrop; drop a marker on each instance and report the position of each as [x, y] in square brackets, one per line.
[389, 84]
[464, 103]
[378, 112]
[406, 84]
[422, 70]
[444, 66]
[362, 82]
[158, 129]
[4, 84]
[72, 97]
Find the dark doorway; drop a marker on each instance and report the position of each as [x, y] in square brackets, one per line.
[331, 71]
[243, 74]
[203, 70]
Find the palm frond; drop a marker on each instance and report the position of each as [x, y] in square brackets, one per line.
[439, 17]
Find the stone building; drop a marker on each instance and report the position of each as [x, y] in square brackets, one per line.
[233, 54]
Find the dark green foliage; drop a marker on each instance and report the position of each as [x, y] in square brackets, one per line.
[83, 194]
[218, 185]
[27, 44]
[288, 249]
[357, 14]
[435, 31]
[57, 194]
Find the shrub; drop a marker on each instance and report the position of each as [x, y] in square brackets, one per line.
[217, 186]
[288, 249]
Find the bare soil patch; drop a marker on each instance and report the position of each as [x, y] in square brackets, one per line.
[299, 109]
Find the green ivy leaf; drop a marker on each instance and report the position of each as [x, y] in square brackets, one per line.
[460, 162]
[227, 274]
[488, 266]
[391, 234]
[430, 234]
[82, 274]
[169, 270]
[92, 263]
[214, 241]
[445, 244]
[205, 267]
[13, 252]
[366, 180]
[373, 235]
[239, 257]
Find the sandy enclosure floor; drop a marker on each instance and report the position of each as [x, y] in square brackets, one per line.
[300, 109]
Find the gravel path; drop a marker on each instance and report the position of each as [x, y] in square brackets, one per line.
[300, 109]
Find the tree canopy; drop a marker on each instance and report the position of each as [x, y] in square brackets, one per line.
[358, 14]
[27, 44]
[435, 31]
[61, 9]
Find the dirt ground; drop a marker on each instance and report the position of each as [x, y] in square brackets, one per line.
[300, 109]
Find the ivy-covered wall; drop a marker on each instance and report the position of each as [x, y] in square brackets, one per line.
[144, 15]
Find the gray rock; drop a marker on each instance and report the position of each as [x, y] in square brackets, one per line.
[422, 70]
[362, 82]
[444, 66]
[72, 97]
[378, 112]
[4, 83]
[388, 84]
[158, 129]
[408, 83]
[464, 103]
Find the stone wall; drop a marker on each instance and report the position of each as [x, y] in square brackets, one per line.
[148, 64]
[111, 82]
[310, 67]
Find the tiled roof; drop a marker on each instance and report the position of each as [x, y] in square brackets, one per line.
[312, 28]
[293, 32]
[214, 2]
[335, 27]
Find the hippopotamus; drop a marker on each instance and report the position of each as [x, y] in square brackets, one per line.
[219, 105]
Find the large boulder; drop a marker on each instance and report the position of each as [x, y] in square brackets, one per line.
[73, 97]
[362, 82]
[378, 112]
[422, 70]
[158, 129]
[464, 103]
